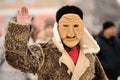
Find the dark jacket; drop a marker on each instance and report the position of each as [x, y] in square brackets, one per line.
[109, 55]
[43, 59]
[118, 35]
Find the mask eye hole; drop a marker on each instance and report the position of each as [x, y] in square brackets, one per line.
[76, 25]
[65, 25]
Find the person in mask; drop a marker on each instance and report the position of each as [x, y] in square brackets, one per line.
[110, 50]
[70, 55]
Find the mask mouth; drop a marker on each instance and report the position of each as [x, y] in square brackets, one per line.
[71, 40]
[68, 37]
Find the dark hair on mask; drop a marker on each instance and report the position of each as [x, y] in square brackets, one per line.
[68, 9]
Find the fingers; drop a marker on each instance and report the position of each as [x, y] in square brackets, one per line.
[24, 10]
[23, 15]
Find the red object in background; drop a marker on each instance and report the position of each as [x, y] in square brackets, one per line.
[0, 34]
[10, 6]
[41, 20]
[1, 21]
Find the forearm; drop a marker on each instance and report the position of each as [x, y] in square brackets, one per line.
[16, 49]
[26, 63]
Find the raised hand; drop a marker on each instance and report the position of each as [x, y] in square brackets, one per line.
[23, 16]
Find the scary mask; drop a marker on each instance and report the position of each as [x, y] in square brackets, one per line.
[71, 28]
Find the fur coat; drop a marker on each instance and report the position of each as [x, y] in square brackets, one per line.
[49, 60]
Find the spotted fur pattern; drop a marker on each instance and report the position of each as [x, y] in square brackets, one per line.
[30, 59]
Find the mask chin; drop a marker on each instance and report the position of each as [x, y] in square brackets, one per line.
[67, 44]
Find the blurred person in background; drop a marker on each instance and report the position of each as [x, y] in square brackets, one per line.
[34, 32]
[118, 35]
[47, 33]
[110, 50]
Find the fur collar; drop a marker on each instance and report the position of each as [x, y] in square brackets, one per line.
[87, 44]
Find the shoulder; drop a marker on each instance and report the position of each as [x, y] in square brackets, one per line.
[41, 46]
[48, 44]
[92, 61]
[91, 57]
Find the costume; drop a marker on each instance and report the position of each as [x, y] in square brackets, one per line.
[50, 60]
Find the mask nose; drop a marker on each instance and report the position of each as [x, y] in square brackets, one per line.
[70, 33]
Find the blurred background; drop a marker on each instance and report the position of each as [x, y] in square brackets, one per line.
[96, 12]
